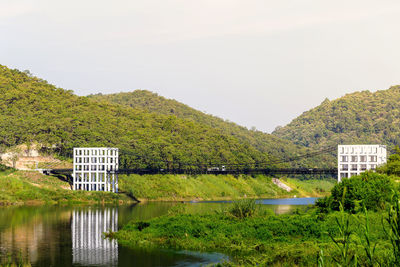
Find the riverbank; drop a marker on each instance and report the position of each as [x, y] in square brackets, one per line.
[260, 240]
[33, 188]
[357, 225]
[217, 187]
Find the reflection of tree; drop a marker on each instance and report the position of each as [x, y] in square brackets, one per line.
[28, 231]
[88, 245]
[283, 209]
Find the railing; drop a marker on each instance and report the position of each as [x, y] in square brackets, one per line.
[268, 171]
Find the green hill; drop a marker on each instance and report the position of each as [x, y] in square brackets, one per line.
[150, 102]
[360, 117]
[34, 111]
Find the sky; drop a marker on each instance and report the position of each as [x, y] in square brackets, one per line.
[258, 63]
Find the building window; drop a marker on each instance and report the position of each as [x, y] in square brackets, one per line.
[372, 166]
[344, 167]
[363, 158]
[353, 158]
[353, 167]
[363, 167]
[372, 158]
[344, 159]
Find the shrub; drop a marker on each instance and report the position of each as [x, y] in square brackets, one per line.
[243, 208]
[369, 190]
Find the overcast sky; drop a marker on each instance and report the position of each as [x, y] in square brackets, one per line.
[257, 62]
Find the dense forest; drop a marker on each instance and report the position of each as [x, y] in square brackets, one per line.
[34, 111]
[266, 143]
[360, 117]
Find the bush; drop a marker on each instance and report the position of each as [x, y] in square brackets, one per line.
[243, 208]
[369, 190]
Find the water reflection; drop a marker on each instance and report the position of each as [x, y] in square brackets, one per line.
[88, 245]
[72, 236]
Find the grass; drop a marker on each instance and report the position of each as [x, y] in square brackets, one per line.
[20, 187]
[311, 188]
[264, 240]
[23, 187]
[211, 187]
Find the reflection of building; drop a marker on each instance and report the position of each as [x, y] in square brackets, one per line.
[95, 169]
[355, 159]
[89, 247]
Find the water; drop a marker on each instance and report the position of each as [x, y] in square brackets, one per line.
[72, 236]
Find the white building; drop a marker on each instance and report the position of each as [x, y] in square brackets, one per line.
[95, 169]
[355, 159]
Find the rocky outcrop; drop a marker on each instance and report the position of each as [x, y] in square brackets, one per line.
[281, 185]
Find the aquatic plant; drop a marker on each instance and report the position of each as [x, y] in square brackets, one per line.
[243, 208]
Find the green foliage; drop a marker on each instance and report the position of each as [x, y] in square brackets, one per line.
[370, 190]
[243, 208]
[369, 247]
[392, 167]
[206, 187]
[31, 110]
[312, 187]
[360, 117]
[346, 257]
[275, 147]
[284, 240]
[17, 187]
[393, 233]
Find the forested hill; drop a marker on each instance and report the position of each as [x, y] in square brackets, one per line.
[31, 110]
[265, 143]
[361, 117]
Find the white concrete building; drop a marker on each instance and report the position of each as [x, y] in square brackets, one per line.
[355, 159]
[95, 169]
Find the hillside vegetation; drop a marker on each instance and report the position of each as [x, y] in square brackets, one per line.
[215, 187]
[32, 188]
[266, 143]
[361, 117]
[34, 111]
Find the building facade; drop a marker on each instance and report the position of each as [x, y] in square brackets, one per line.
[355, 159]
[95, 169]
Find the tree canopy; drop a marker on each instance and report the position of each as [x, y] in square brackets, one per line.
[357, 118]
[32, 110]
[265, 143]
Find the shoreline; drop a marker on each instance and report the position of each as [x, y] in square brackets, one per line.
[185, 200]
[32, 203]
[20, 188]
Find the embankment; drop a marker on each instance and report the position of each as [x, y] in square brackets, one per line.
[216, 187]
[32, 188]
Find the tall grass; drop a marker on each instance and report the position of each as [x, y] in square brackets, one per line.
[393, 231]
[243, 208]
[204, 187]
[311, 187]
[30, 187]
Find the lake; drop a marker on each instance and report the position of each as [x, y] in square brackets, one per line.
[72, 236]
